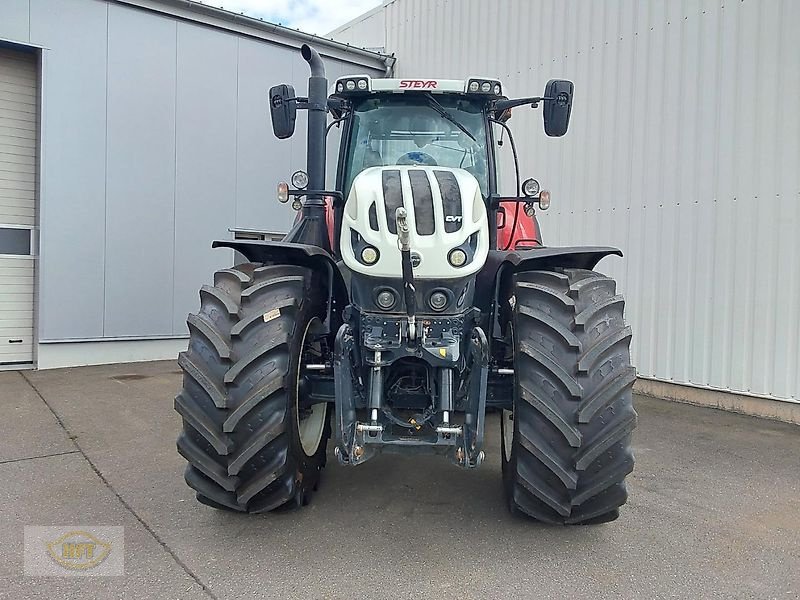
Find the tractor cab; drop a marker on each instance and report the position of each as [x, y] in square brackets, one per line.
[433, 123]
[444, 123]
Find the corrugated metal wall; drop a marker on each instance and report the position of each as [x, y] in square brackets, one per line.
[684, 151]
[155, 141]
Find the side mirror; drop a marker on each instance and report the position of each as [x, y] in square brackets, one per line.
[283, 109]
[557, 107]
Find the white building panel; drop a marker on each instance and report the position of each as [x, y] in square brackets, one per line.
[684, 151]
[367, 31]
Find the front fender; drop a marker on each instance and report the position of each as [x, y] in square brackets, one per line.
[568, 257]
[305, 255]
[500, 265]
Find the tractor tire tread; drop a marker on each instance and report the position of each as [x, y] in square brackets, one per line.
[237, 401]
[573, 410]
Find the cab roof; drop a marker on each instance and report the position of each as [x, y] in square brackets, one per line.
[354, 85]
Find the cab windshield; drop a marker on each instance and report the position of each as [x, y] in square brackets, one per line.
[410, 130]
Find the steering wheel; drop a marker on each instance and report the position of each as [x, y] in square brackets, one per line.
[417, 158]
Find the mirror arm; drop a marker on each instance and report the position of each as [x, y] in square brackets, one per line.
[302, 102]
[502, 105]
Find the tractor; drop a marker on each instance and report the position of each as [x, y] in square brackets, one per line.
[404, 305]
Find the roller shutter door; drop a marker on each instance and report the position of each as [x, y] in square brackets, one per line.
[18, 138]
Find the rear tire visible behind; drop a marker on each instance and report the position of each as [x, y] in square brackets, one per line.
[569, 454]
[241, 425]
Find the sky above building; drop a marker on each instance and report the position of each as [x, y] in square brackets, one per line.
[312, 16]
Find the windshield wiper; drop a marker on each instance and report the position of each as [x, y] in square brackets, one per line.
[435, 105]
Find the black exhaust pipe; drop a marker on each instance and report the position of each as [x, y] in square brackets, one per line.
[311, 56]
[312, 227]
[317, 123]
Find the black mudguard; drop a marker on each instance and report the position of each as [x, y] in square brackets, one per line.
[568, 257]
[305, 255]
[501, 265]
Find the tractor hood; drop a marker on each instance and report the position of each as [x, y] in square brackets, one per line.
[446, 212]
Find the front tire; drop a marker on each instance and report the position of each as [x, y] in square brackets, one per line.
[566, 445]
[249, 447]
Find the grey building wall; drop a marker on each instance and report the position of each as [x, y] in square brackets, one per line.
[155, 139]
[684, 151]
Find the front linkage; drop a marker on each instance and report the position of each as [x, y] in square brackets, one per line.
[430, 431]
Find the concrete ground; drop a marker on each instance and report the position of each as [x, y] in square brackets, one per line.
[714, 510]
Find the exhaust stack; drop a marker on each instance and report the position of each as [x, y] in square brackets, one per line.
[312, 228]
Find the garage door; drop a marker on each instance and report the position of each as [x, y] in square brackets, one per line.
[18, 123]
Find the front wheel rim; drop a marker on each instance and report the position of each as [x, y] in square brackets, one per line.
[311, 427]
[508, 433]
[507, 416]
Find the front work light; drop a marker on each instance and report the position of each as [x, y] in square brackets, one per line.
[530, 187]
[300, 179]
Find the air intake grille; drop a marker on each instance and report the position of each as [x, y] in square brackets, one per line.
[451, 199]
[423, 199]
[423, 202]
[392, 197]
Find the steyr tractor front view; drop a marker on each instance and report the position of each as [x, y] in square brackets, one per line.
[404, 304]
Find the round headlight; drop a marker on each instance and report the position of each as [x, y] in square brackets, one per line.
[530, 187]
[369, 255]
[544, 200]
[438, 300]
[496, 89]
[339, 87]
[362, 84]
[350, 85]
[283, 192]
[457, 257]
[386, 299]
[300, 179]
[474, 86]
[486, 86]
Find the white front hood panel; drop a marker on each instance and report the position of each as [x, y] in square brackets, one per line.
[458, 219]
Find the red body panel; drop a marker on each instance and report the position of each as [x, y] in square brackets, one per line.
[526, 232]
